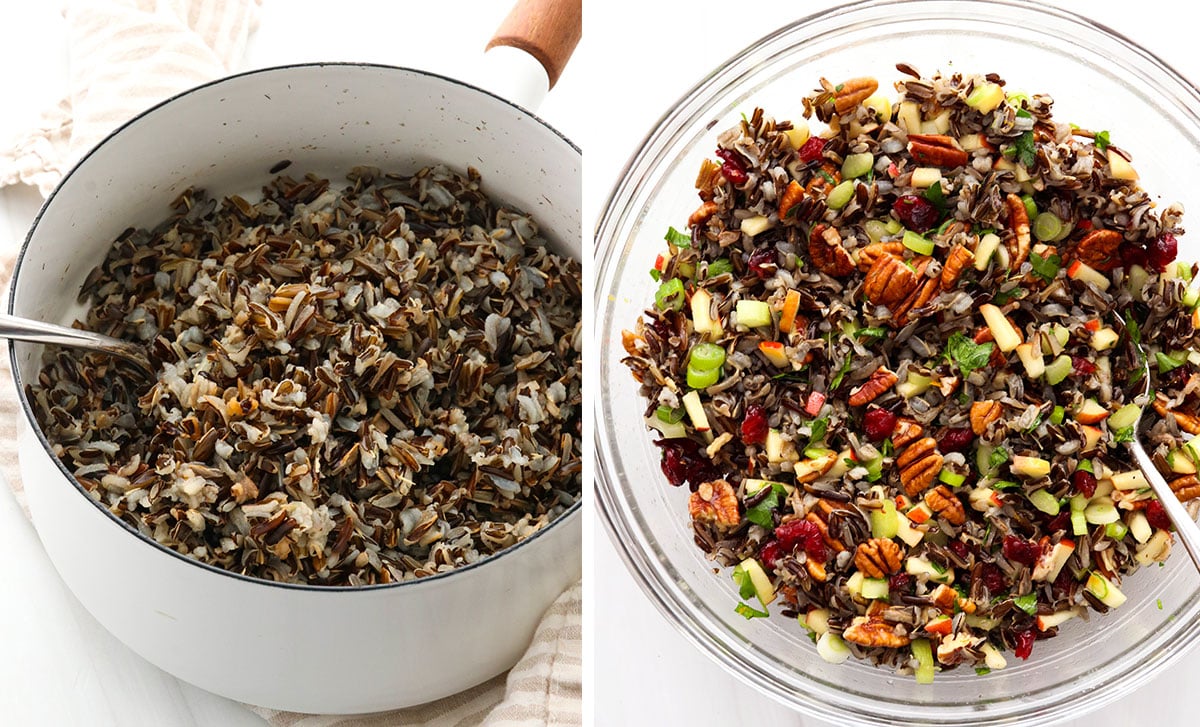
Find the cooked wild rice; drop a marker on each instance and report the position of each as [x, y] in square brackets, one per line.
[833, 364]
[355, 387]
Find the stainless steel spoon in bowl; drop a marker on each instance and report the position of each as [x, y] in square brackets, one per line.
[1185, 527]
[23, 329]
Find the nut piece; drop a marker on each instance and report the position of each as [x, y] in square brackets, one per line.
[869, 254]
[1186, 487]
[874, 632]
[828, 255]
[983, 413]
[956, 261]
[824, 180]
[907, 430]
[936, 150]
[889, 281]
[853, 92]
[869, 390]
[702, 213]
[791, 195]
[816, 570]
[943, 502]
[1018, 241]
[917, 300]
[1098, 249]
[708, 178]
[878, 557]
[944, 597]
[1189, 423]
[820, 516]
[919, 450]
[714, 502]
[919, 465]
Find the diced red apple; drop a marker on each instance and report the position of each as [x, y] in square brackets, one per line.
[1035, 365]
[1078, 270]
[816, 400]
[752, 226]
[1050, 620]
[985, 249]
[1119, 167]
[1091, 437]
[1007, 338]
[702, 320]
[791, 306]
[775, 353]
[1031, 467]
[941, 625]
[920, 514]
[1051, 562]
[906, 532]
[1091, 412]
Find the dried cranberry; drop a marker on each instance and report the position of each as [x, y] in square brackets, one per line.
[805, 534]
[1023, 643]
[1082, 366]
[682, 461]
[754, 425]
[901, 583]
[770, 553]
[762, 262]
[1162, 251]
[917, 213]
[879, 424]
[734, 168]
[1084, 482]
[1021, 550]
[1059, 521]
[812, 149]
[956, 440]
[1132, 254]
[959, 548]
[1157, 515]
[993, 579]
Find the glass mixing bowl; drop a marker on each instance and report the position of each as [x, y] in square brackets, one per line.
[1096, 77]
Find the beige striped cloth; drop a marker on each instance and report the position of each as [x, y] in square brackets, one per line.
[125, 56]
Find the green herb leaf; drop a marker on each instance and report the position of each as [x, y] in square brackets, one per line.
[1023, 114]
[1101, 140]
[1005, 485]
[968, 354]
[1158, 603]
[1086, 466]
[719, 267]
[819, 427]
[827, 177]
[1167, 363]
[744, 584]
[998, 457]
[841, 374]
[749, 612]
[1045, 268]
[936, 195]
[871, 334]
[1027, 603]
[1124, 434]
[982, 670]
[1135, 332]
[1015, 293]
[1026, 150]
[677, 238]
[654, 273]
[760, 514]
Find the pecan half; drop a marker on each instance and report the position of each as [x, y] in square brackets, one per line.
[936, 150]
[957, 260]
[919, 298]
[1186, 487]
[889, 281]
[816, 570]
[944, 597]
[878, 557]
[807, 470]
[791, 195]
[874, 632]
[853, 92]
[714, 502]
[708, 178]
[983, 413]
[907, 430]
[869, 390]
[919, 464]
[823, 180]
[943, 502]
[828, 255]
[820, 516]
[703, 212]
[1098, 249]
[869, 254]
[1188, 422]
[1018, 240]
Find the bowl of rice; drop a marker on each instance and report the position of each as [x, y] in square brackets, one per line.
[867, 472]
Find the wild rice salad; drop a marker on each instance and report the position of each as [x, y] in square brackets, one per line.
[892, 360]
[355, 386]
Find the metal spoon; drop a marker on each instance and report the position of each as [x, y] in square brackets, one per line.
[1185, 527]
[23, 329]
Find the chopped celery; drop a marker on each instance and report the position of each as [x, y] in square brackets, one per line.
[856, 165]
[1116, 530]
[876, 230]
[1056, 416]
[924, 655]
[702, 378]
[951, 478]
[707, 356]
[840, 195]
[1044, 501]
[1030, 206]
[918, 243]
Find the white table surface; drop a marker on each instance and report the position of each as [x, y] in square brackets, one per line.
[646, 673]
[58, 666]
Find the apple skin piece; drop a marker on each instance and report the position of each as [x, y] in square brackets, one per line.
[1091, 412]
[1007, 338]
[1091, 438]
[1051, 562]
[1031, 467]
[1081, 271]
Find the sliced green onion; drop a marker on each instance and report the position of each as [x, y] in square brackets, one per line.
[702, 378]
[677, 238]
[841, 195]
[1030, 206]
[707, 356]
[951, 478]
[1047, 226]
[668, 415]
[1117, 530]
[749, 612]
[719, 267]
[917, 243]
[856, 165]
[670, 295]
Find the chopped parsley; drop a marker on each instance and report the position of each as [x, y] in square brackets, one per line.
[749, 612]
[744, 584]
[677, 238]
[719, 267]
[1027, 603]
[1005, 485]
[1124, 434]
[760, 514]
[982, 670]
[1045, 268]
[818, 428]
[1026, 150]
[871, 334]
[1159, 604]
[841, 374]
[826, 176]
[998, 457]
[654, 273]
[936, 195]
[1101, 140]
[1005, 296]
[968, 354]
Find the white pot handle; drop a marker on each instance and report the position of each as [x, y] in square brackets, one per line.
[530, 49]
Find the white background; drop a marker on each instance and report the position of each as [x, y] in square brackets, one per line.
[58, 667]
[645, 672]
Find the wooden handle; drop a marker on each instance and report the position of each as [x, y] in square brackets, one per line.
[548, 30]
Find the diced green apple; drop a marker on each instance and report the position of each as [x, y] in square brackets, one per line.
[1079, 270]
[754, 225]
[753, 313]
[799, 133]
[915, 385]
[909, 117]
[1032, 359]
[1130, 480]
[1154, 550]
[1006, 336]
[917, 566]
[1052, 561]
[854, 583]
[1180, 462]
[774, 446]
[842, 464]
[702, 320]
[971, 142]
[753, 485]
[923, 177]
[817, 619]
[986, 97]
[695, 411]
[1104, 339]
[1104, 590]
[874, 588]
[1120, 168]
[763, 588]
[1050, 620]
[1030, 467]
[1090, 412]
[881, 105]
[1058, 369]
[985, 249]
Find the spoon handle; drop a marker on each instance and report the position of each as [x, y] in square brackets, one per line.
[1185, 527]
[23, 329]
